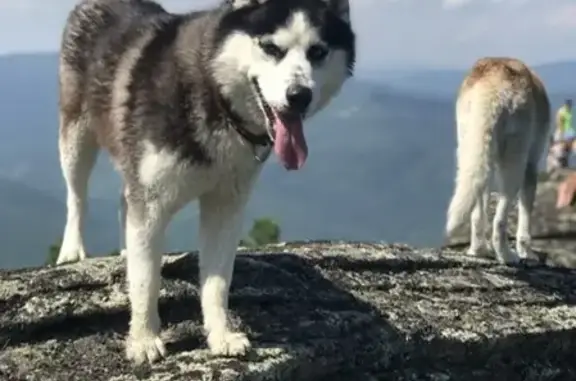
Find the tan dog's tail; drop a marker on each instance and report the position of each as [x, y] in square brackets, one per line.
[474, 165]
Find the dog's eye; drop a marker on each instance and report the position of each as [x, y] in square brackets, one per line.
[272, 49]
[317, 53]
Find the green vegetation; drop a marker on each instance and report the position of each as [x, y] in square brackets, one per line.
[53, 254]
[264, 231]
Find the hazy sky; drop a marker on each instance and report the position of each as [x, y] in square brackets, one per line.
[391, 33]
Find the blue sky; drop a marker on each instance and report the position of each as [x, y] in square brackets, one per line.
[391, 33]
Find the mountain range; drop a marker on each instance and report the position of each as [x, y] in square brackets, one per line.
[380, 168]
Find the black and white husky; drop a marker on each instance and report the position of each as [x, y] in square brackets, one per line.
[189, 107]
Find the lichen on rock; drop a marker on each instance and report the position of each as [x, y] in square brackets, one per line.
[314, 311]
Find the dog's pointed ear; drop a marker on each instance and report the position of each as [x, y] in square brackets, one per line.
[341, 7]
[236, 4]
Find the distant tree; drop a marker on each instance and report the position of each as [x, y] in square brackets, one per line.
[246, 242]
[53, 252]
[264, 231]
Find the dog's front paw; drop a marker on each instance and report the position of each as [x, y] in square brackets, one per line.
[507, 257]
[228, 343]
[523, 248]
[148, 348]
[525, 253]
[483, 249]
[70, 255]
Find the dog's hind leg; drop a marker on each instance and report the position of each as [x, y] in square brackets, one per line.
[525, 206]
[78, 150]
[528, 196]
[509, 184]
[221, 217]
[479, 225]
[511, 166]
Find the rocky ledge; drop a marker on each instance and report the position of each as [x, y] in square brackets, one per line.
[314, 311]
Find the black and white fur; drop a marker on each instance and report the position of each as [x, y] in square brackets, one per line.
[179, 102]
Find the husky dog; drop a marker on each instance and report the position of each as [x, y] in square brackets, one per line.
[503, 122]
[189, 106]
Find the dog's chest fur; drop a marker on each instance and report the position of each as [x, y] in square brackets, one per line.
[163, 170]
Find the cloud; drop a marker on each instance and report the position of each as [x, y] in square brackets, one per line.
[20, 5]
[451, 4]
[391, 33]
[563, 17]
[454, 4]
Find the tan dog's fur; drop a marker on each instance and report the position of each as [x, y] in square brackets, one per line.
[503, 126]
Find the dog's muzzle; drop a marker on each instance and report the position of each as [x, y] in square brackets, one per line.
[299, 98]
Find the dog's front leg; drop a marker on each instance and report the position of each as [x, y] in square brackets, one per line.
[145, 225]
[221, 217]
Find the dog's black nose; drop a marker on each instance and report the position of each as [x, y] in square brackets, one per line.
[299, 98]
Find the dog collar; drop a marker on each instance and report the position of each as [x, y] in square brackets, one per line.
[261, 144]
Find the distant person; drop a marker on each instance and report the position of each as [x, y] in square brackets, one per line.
[565, 193]
[557, 155]
[564, 127]
[564, 138]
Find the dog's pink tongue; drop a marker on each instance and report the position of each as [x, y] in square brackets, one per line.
[289, 142]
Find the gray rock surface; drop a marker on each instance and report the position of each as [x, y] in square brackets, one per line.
[553, 230]
[314, 311]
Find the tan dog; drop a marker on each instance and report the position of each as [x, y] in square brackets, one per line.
[503, 122]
